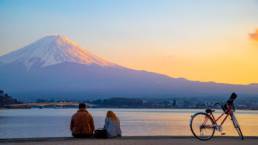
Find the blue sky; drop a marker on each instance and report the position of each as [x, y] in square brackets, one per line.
[141, 34]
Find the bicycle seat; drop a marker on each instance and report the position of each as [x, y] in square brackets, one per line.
[209, 110]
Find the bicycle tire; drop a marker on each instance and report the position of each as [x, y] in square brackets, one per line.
[205, 138]
[237, 126]
[239, 131]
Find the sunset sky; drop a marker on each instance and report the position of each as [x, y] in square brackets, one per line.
[204, 40]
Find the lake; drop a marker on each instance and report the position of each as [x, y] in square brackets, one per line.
[27, 123]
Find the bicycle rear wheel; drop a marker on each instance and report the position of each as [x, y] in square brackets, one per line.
[202, 126]
[237, 126]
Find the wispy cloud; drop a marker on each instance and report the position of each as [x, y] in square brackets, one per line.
[254, 35]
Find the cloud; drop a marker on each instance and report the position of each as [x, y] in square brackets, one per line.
[254, 36]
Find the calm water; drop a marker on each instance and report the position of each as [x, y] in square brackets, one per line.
[22, 123]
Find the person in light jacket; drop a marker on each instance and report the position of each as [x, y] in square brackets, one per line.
[112, 125]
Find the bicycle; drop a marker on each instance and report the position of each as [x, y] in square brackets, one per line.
[204, 124]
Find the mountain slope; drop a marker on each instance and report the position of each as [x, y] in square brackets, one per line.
[52, 50]
[55, 67]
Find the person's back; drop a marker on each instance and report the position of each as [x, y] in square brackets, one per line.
[82, 124]
[112, 125]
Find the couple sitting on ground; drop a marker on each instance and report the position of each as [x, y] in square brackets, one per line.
[82, 125]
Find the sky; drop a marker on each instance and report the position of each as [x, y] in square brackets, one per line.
[203, 40]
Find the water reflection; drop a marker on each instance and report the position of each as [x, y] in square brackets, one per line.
[22, 123]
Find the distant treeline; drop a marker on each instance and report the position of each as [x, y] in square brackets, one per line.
[179, 102]
[247, 103]
[242, 102]
[5, 99]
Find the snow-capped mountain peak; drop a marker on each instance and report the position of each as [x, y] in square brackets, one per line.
[52, 50]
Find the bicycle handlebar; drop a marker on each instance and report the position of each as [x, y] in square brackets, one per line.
[230, 102]
[232, 98]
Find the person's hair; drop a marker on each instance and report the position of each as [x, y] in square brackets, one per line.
[82, 105]
[112, 116]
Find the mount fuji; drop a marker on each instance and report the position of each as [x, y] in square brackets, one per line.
[56, 67]
[52, 50]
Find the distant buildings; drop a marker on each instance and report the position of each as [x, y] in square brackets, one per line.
[180, 103]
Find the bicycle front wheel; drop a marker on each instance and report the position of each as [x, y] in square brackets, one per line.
[237, 126]
[202, 126]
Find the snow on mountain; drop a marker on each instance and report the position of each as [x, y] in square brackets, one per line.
[52, 50]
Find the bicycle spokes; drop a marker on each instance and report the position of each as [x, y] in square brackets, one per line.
[202, 126]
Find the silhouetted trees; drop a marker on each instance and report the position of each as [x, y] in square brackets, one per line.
[119, 102]
[5, 99]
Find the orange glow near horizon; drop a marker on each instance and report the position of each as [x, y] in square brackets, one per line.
[233, 60]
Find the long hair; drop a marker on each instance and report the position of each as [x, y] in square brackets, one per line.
[112, 116]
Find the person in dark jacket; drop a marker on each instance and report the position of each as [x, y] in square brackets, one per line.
[82, 124]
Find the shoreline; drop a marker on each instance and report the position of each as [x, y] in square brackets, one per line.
[217, 109]
[131, 140]
[123, 137]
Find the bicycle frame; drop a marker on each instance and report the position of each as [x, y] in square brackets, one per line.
[227, 113]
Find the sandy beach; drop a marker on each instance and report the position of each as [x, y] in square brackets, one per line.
[151, 140]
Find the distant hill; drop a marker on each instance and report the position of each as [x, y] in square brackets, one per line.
[56, 67]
